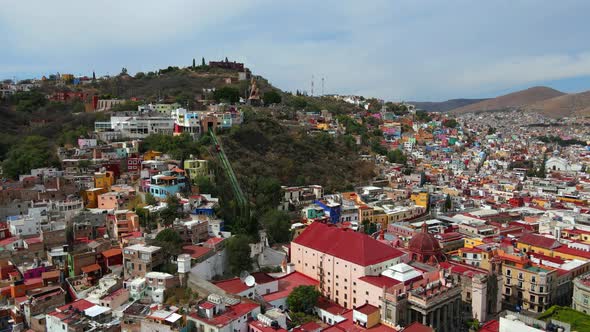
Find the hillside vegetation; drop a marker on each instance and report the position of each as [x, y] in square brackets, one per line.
[262, 148]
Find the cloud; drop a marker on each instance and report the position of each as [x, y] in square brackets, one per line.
[393, 49]
[81, 27]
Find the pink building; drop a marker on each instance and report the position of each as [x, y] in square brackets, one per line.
[338, 258]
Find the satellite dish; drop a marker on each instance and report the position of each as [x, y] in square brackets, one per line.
[250, 281]
[244, 275]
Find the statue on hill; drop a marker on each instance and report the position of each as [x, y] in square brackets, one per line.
[254, 98]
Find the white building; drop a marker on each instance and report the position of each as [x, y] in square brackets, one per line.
[24, 225]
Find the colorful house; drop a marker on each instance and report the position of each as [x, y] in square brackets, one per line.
[167, 183]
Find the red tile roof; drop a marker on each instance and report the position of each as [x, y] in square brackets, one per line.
[345, 244]
[90, 268]
[380, 281]
[112, 252]
[348, 325]
[418, 327]
[195, 251]
[366, 309]
[259, 326]
[288, 283]
[232, 286]
[207, 305]
[232, 313]
[491, 326]
[539, 241]
[572, 252]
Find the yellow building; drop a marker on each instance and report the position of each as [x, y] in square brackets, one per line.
[471, 242]
[550, 247]
[197, 168]
[420, 199]
[90, 197]
[526, 284]
[151, 155]
[365, 213]
[104, 180]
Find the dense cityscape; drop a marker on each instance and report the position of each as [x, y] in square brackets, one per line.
[160, 215]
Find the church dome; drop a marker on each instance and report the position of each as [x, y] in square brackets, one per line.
[425, 247]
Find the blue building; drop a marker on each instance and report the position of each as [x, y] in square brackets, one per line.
[334, 210]
[167, 183]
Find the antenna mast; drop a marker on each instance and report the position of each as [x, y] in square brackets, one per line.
[312, 85]
[322, 86]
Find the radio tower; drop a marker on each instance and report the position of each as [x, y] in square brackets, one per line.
[312, 85]
[322, 86]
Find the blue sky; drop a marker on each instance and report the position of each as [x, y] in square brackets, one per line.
[396, 50]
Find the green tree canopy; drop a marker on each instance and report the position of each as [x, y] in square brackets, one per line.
[277, 225]
[170, 241]
[32, 152]
[227, 94]
[28, 101]
[303, 299]
[271, 97]
[172, 211]
[205, 185]
[238, 252]
[149, 199]
[397, 156]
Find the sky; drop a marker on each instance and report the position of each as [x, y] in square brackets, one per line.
[419, 50]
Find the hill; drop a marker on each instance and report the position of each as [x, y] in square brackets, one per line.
[444, 106]
[574, 104]
[511, 100]
[263, 148]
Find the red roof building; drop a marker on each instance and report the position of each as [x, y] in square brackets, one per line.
[345, 244]
[540, 241]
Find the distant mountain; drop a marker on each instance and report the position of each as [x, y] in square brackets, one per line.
[511, 100]
[574, 104]
[444, 106]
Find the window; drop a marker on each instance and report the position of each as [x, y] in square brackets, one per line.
[367, 293]
[532, 298]
[533, 279]
[507, 290]
[508, 272]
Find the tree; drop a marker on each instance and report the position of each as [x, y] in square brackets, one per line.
[277, 225]
[28, 101]
[227, 94]
[172, 211]
[397, 156]
[149, 199]
[93, 76]
[422, 116]
[194, 64]
[448, 203]
[271, 97]
[139, 75]
[32, 152]
[238, 252]
[203, 62]
[170, 242]
[205, 185]
[450, 123]
[303, 299]
[123, 71]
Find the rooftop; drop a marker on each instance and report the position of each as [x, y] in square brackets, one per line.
[348, 245]
[288, 283]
